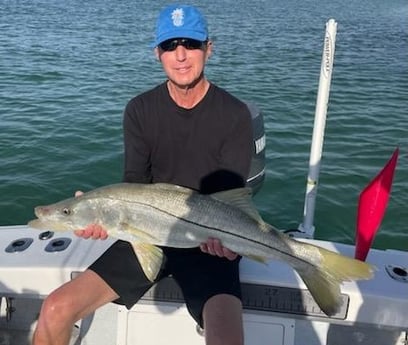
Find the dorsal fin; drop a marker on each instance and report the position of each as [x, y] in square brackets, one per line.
[242, 199]
[170, 187]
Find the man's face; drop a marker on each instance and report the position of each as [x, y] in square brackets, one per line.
[183, 60]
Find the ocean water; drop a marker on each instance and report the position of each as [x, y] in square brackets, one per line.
[67, 69]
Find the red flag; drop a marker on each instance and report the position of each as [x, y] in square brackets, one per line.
[371, 207]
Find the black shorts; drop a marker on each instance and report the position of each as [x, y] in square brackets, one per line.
[199, 275]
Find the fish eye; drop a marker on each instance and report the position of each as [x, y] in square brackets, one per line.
[66, 211]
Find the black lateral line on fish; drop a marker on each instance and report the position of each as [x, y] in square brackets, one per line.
[225, 232]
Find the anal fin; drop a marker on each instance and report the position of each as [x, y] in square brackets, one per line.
[150, 258]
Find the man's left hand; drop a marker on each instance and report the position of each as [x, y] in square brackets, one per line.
[213, 247]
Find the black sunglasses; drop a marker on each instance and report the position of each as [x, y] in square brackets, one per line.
[188, 43]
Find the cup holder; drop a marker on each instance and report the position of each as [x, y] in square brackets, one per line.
[58, 244]
[19, 245]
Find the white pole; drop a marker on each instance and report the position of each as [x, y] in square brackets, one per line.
[307, 226]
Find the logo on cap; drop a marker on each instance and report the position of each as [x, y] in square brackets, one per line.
[180, 21]
[178, 17]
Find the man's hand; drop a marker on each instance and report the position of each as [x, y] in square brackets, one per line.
[213, 247]
[94, 231]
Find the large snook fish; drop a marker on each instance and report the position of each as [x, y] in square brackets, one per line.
[167, 215]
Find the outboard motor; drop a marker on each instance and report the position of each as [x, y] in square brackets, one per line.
[257, 171]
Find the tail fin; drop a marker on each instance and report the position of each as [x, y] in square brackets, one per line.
[324, 281]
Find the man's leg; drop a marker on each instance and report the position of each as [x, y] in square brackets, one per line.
[68, 304]
[222, 318]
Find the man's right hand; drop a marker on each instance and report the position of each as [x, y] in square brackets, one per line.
[94, 231]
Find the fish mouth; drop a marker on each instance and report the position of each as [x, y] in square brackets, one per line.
[41, 224]
[40, 211]
[38, 224]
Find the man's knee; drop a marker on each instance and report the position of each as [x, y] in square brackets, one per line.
[222, 317]
[56, 310]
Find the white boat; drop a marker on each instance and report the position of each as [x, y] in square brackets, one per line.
[278, 309]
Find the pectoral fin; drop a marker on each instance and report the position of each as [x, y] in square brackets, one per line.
[141, 235]
[150, 258]
[260, 259]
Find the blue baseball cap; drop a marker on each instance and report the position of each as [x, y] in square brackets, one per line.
[180, 21]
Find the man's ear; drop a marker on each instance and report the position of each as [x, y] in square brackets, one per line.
[157, 53]
[208, 50]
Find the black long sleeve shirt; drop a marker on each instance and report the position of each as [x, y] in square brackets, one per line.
[207, 148]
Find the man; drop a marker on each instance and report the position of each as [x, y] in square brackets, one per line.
[185, 131]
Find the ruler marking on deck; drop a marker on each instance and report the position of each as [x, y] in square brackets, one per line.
[255, 297]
